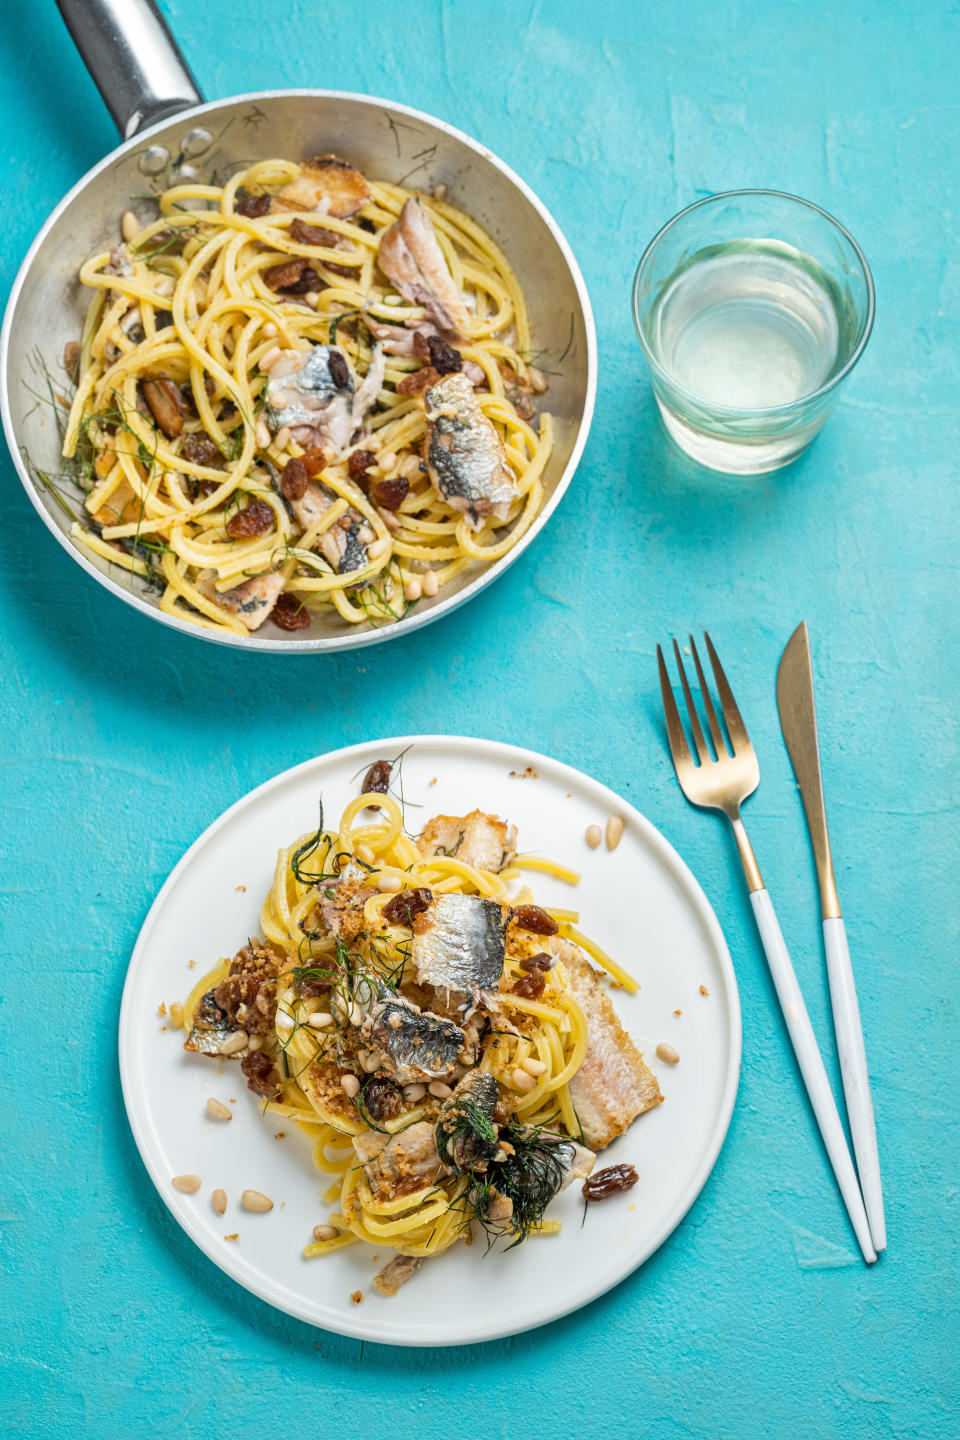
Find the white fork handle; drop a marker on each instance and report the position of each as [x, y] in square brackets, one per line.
[853, 1068]
[811, 1067]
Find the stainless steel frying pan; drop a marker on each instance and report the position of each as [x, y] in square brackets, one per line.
[168, 133]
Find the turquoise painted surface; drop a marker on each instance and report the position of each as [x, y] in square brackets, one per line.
[122, 741]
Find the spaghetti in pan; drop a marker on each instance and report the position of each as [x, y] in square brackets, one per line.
[302, 389]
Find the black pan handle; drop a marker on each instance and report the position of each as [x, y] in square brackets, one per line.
[133, 60]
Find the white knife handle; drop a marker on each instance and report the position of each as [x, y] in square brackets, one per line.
[853, 1068]
[811, 1067]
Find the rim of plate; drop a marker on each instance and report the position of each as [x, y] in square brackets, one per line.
[137, 1107]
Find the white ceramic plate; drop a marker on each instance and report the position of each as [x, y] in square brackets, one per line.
[640, 902]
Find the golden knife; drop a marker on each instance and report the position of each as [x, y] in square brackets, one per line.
[798, 721]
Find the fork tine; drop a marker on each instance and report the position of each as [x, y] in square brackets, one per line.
[701, 744]
[679, 748]
[735, 726]
[712, 721]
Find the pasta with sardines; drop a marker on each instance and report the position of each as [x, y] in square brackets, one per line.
[444, 1041]
[299, 390]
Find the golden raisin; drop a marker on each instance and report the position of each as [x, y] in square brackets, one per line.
[390, 494]
[290, 613]
[611, 1181]
[535, 919]
[255, 519]
[294, 480]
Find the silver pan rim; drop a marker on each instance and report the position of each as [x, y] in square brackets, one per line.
[328, 644]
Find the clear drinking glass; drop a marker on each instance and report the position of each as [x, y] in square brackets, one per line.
[752, 307]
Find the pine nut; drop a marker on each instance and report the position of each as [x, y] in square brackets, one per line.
[414, 1092]
[440, 192]
[219, 1201]
[176, 1015]
[369, 1061]
[441, 1091]
[282, 438]
[284, 1021]
[393, 300]
[129, 225]
[533, 1067]
[272, 355]
[255, 1042]
[667, 1053]
[364, 854]
[320, 1019]
[386, 461]
[593, 836]
[188, 1184]
[538, 381]
[614, 832]
[218, 1111]
[270, 330]
[389, 519]
[263, 435]
[378, 549]
[520, 1080]
[356, 1016]
[254, 1200]
[312, 298]
[233, 1043]
[350, 1086]
[389, 884]
[413, 588]
[430, 584]
[325, 1232]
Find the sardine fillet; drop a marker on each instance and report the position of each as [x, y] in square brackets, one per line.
[410, 256]
[613, 1085]
[325, 183]
[464, 452]
[459, 943]
[413, 1044]
[251, 602]
[343, 550]
[407, 1162]
[480, 840]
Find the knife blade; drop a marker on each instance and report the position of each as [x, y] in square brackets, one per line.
[798, 721]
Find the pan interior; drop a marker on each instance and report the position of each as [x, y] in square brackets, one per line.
[388, 143]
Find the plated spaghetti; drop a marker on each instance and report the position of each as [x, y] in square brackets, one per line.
[444, 1041]
[299, 390]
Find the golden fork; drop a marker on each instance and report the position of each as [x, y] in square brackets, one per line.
[723, 783]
